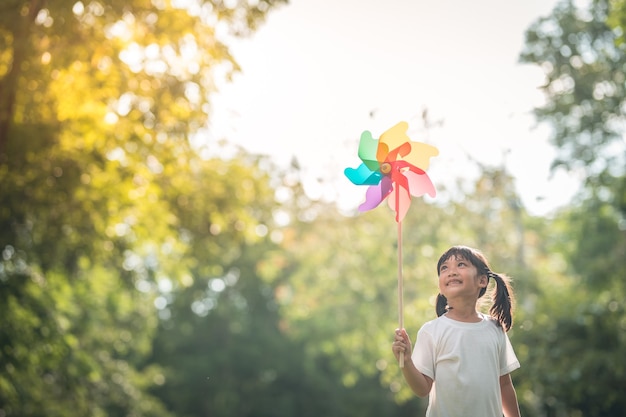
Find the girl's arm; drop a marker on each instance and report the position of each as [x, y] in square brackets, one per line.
[510, 406]
[419, 383]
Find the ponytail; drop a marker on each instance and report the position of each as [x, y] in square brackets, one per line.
[442, 305]
[502, 298]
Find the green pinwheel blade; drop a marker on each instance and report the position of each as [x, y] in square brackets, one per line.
[367, 151]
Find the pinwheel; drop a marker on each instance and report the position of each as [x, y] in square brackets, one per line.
[394, 167]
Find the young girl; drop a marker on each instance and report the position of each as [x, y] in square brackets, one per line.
[464, 358]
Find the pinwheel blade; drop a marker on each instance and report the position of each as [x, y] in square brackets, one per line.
[362, 175]
[375, 194]
[398, 153]
[395, 136]
[399, 201]
[420, 184]
[368, 147]
[418, 154]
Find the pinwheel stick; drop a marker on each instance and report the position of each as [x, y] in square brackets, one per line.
[400, 290]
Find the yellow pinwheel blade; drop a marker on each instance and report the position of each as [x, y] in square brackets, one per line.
[420, 153]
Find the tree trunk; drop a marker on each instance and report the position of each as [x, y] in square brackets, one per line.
[8, 85]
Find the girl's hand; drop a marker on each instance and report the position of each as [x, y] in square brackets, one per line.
[401, 343]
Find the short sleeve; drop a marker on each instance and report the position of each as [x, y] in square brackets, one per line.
[508, 359]
[423, 355]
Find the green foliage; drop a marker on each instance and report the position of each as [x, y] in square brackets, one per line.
[577, 333]
[579, 353]
[617, 19]
[78, 335]
[585, 93]
[99, 103]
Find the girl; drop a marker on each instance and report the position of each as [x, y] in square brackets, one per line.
[464, 358]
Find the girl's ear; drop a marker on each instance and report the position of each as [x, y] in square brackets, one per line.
[484, 281]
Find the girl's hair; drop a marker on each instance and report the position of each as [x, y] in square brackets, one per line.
[502, 297]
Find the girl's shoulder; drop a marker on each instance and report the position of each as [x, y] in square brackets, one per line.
[493, 322]
[443, 322]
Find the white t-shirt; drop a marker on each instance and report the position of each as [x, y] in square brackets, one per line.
[465, 361]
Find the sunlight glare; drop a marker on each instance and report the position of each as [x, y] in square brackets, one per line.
[79, 8]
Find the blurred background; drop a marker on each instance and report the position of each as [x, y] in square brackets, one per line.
[177, 237]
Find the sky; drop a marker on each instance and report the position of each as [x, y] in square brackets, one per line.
[318, 73]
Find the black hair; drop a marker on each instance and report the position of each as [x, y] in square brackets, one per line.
[502, 296]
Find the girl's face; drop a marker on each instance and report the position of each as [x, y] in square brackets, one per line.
[458, 277]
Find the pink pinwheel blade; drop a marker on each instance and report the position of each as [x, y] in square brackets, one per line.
[399, 201]
[375, 194]
[419, 184]
[406, 184]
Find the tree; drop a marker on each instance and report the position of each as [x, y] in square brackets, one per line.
[583, 311]
[575, 333]
[145, 63]
[99, 105]
[585, 94]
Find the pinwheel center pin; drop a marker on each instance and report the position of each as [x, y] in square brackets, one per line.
[385, 168]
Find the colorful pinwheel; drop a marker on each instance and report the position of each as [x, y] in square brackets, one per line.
[394, 167]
